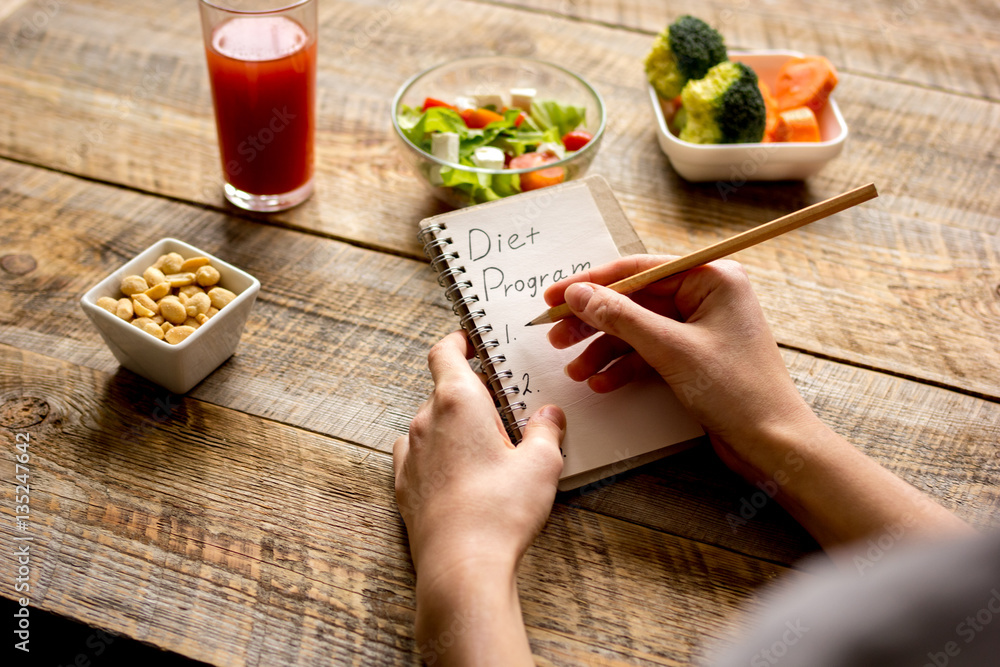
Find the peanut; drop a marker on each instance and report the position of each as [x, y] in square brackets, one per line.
[194, 264]
[153, 330]
[158, 291]
[198, 304]
[153, 276]
[207, 276]
[141, 322]
[211, 312]
[144, 306]
[177, 334]
[191, 322]
[166, 326]
[180, 279]
[133, 285]
[220, 297]
[190, 290]
[108, 304]
[158, 319]
[201, 318]
[172, 310]
[124, 309]
[171, 263]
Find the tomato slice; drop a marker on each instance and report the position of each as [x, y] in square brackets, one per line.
[542, 178]
[432, 102]
[577, 139]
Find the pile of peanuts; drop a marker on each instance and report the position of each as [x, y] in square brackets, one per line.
[171, 298]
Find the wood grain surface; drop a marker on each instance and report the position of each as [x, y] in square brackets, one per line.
[253, 521]
[172, 540]
[934, 43]
[907, 284]
[337, 344]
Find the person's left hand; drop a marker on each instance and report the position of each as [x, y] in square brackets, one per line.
[467, 495]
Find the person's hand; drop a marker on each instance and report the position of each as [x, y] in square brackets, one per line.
[463, 489]
[472, 504]
[704, 332]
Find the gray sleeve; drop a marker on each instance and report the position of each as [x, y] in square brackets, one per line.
[929, 605]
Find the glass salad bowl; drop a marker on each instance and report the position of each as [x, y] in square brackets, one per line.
[522, 146]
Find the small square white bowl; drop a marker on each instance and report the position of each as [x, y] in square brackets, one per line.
[179, 367]
[738, 163]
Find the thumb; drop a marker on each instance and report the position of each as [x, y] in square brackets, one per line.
[620, 316]
[542, 436]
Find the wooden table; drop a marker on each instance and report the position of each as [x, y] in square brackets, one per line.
[252, 521]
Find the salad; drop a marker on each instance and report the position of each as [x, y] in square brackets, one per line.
[490, 132]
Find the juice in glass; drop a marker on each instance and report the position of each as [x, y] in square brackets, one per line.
[262, 67]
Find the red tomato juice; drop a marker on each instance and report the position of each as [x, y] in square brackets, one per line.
[263, 74]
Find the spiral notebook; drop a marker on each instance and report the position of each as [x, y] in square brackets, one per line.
[494, 261]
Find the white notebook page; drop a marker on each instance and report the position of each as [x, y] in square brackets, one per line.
[511, 253]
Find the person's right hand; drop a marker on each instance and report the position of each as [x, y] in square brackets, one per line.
[704, 332]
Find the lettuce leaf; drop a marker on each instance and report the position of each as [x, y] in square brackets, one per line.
[418, 125]
[481, 187]
[563, 117]
[518, 143]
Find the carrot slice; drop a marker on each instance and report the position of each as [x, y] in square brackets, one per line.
[543, 178]
[771, 106]
[480, 118]
[805, 82]
[797, 125]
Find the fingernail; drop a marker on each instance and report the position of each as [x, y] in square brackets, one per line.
[553, 414]
[578, 295]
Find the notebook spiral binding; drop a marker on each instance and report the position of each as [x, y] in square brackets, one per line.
[440, 250]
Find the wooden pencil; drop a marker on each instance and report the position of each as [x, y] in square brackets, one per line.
[733, 244]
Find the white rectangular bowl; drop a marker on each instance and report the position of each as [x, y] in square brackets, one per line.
[736, 164]
[179, 367]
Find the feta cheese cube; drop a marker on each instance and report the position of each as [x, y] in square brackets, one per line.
[463, 103]
[494, 100]
[444, 146]
[488, 157]
[520, 98]
[552, 147]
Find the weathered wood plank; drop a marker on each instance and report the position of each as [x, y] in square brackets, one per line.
[337, 344]
[934, 43]
[8, 7]
[237, 540]
[906, 284]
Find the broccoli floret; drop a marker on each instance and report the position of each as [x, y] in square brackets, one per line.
[725, 107]
[686, 50]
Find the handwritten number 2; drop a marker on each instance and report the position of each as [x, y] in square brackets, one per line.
[526, 380]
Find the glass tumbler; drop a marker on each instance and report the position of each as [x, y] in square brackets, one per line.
[262, 66]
